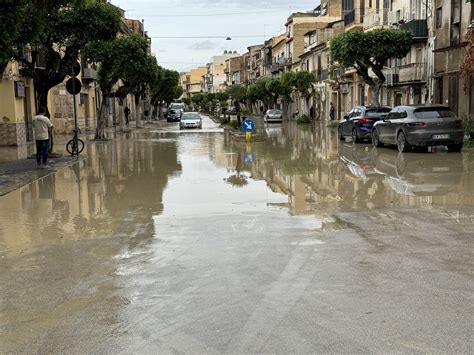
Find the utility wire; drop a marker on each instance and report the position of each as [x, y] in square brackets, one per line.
[220, 14]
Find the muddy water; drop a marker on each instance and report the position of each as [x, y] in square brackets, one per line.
[167, 241]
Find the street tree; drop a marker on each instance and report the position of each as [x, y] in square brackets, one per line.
[287, 88]
[370, 50]
[303, 83]
[223, 98]
[274, 89]
[165, 88]
[56, 32]
[115, 59]
[137, 79]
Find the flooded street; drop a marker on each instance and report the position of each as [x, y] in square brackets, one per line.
[168, 241]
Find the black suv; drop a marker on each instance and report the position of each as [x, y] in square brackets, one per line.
[358, 123]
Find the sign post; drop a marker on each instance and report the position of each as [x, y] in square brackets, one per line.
[248, 126]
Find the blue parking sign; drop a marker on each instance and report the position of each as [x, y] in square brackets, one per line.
[248, 125]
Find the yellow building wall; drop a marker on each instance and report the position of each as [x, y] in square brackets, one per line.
[13, 128]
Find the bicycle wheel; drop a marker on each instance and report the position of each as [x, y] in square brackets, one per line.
[80, 146]
[74, 148]
[70, 147]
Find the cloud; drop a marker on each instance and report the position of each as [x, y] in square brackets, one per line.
[204, 46]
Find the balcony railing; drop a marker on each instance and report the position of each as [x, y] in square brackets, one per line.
[89, 74]
[275, 68]
[419, 28]
[412, 72]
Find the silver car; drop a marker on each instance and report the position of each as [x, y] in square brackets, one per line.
[273, 116]
[190, 120]
[413, 126]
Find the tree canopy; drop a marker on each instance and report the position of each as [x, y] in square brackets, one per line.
[54, 31]
[370, 50]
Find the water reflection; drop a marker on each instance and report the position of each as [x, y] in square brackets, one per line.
[320, 174]
[92, 199]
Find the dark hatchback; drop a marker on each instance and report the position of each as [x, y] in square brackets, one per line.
[174, 115]
[358, 123]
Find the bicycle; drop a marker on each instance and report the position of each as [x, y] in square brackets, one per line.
[75, 146]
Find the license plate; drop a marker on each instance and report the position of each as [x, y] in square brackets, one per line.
[440, 169]
[440, 136]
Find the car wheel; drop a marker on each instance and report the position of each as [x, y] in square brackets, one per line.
[341, 136]
[455, 147]
[375, 139]
[402, 144]
[355, 137]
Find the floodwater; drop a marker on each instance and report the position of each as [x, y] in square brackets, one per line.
[168, 241]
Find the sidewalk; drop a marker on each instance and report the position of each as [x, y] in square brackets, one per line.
[17, 173]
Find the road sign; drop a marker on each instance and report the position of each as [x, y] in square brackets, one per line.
[75, 70]
[73, 86]
[248, 125]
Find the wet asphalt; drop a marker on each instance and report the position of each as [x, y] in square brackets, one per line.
[167, 241]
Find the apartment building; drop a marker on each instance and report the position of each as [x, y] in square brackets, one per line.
[316, 60]
[256, 66]
[215, 76]
[452, 20]
[234, 70]
[191, 81]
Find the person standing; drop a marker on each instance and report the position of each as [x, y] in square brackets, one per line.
[41, 127]
[126, 111]
[331, 112]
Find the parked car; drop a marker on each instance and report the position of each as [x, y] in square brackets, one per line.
[175, 106]
[419, 126]
[273, 116]
[190, 120]
[358, 123]
[173, 115]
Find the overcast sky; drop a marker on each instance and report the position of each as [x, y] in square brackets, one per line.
[208, 18]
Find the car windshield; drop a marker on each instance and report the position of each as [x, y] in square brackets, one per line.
[190, 116]
[377, 112]
[176, 106]
[274, 112]
[433, 112]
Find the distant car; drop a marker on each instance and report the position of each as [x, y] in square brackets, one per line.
[358, 123]
[173, 115]
[273, 116]
[175, 106]
[190, 120]
[413, 126]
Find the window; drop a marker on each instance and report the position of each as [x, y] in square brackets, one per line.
[433, 112]
[439, 17]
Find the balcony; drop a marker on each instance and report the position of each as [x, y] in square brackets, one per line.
[412, 72]
[89, 75]
[275, 68]
[371, 20]
[419, 28]
[285, 61]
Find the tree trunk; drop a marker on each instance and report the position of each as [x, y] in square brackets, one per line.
[375, 93]
[102, 118]
[138, 114]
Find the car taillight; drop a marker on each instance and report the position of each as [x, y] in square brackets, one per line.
[364, 120]
[417, 124]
